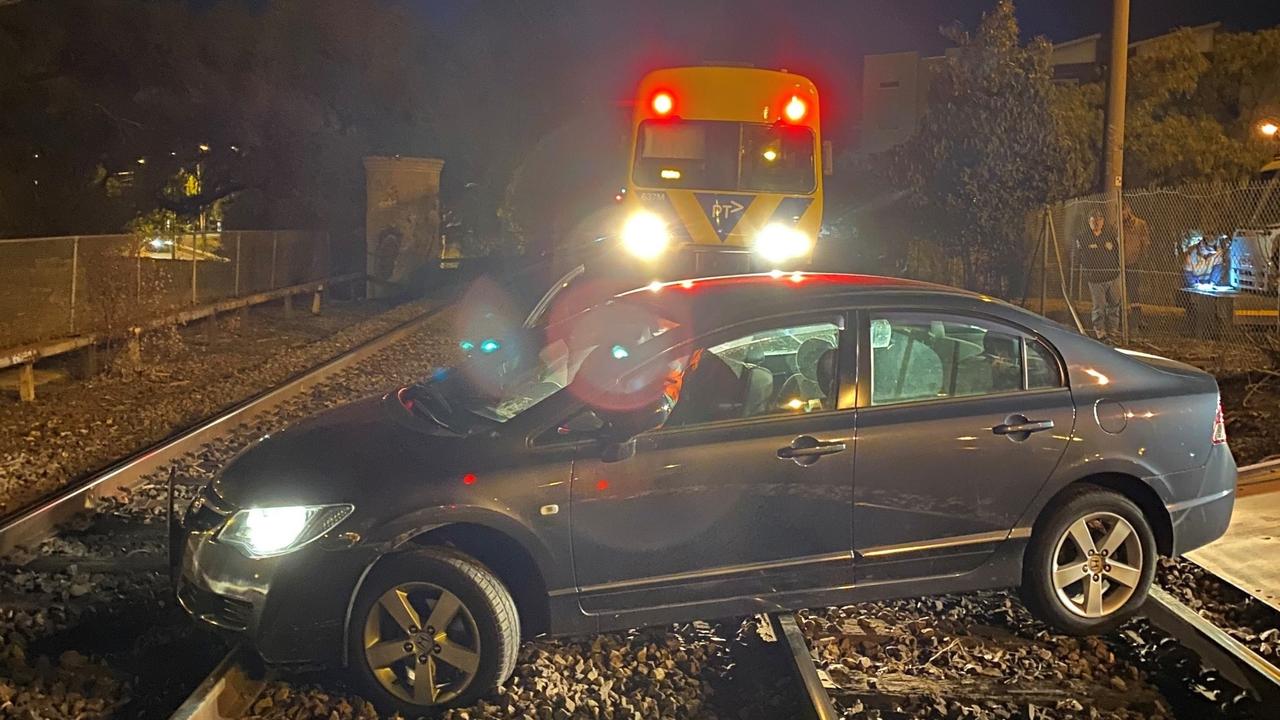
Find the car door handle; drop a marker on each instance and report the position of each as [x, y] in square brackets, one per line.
[806, 449]
[1029, 426]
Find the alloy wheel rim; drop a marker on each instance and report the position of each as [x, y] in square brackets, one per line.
[422, 643]
[1097, 565]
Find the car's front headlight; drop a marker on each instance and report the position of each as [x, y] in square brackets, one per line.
[778, 243]
[265, 532]
[645, 235]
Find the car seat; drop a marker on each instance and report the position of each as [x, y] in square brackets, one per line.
[996, 369]
[807, 383]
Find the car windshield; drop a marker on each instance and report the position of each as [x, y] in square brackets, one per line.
[719, 155]
[500, 386]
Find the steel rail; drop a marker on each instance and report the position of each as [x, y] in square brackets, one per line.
[228, 692]
[39, 521]
[1258, 473]
[820, 701]
[1236, 661]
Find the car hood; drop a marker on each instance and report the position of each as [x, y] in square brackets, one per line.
[359, 448]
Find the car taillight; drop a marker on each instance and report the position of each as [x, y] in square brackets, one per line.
[1219, 427]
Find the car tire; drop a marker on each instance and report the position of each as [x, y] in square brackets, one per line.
[405, 665]
[1115, 562]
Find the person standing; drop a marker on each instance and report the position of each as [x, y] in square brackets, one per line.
[1100, 263]
[1137, 236]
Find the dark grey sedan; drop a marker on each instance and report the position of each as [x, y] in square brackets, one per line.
[709, 448]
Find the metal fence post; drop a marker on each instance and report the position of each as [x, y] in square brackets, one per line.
[275, 236]
[237, 281]
[75, 270]
[327, 270]
[193, 268]
[1044, 258]
[1124, 271]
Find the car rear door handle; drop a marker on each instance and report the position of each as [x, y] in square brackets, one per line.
[1026, 427]
[806, 449]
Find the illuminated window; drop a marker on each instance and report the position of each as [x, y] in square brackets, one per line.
[916, 357]
[779, 371]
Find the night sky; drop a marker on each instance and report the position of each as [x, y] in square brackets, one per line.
[824, 39]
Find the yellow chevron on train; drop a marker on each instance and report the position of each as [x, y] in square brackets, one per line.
[726, 170]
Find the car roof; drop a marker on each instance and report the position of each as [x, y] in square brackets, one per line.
[722, 300]
[788, 288]
[807, 283]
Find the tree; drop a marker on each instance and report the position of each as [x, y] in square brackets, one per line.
[1170, 136]
[1190, 117]
[1242, 85]
[989, 149]
[273, 106]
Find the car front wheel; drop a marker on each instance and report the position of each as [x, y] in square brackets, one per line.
[1090, 562]
[431, 628]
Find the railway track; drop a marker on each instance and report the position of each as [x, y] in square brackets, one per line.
[39, 521]
[1158, 645]
[127, 506]
[1163, 619]
[231, 690]
[89, 627]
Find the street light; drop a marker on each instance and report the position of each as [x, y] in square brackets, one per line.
[1268, 128]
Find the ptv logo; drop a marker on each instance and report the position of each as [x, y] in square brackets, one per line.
[723, 211]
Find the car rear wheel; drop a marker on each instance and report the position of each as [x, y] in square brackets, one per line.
[1090, 563]
[431, 628]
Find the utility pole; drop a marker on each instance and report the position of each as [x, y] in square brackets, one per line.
[1113, 162]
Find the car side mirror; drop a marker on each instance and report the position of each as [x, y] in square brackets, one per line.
[621, 427]
[586, 422]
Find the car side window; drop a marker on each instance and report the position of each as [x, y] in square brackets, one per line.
[780, 371]
[916, 357]
[1042, 367]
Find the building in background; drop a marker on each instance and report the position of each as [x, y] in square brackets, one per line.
[895, 86]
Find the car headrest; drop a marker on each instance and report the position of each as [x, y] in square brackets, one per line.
[807, 356]
[826, 372]
[999, 346]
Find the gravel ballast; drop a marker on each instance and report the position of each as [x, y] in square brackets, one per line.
[75, 428]
[698, 670]
[979, 655]
[88, 627]
[1244, 617]
[983, 656]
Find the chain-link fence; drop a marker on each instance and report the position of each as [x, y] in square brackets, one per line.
[1200, 263]
[64, 286]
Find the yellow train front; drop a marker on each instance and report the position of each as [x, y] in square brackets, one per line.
[726, 172]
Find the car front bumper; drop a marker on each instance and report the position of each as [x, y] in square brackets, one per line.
[291, 608]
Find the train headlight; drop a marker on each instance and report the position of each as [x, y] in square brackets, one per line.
[645, 235]
[266, 532]
[778, 243]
